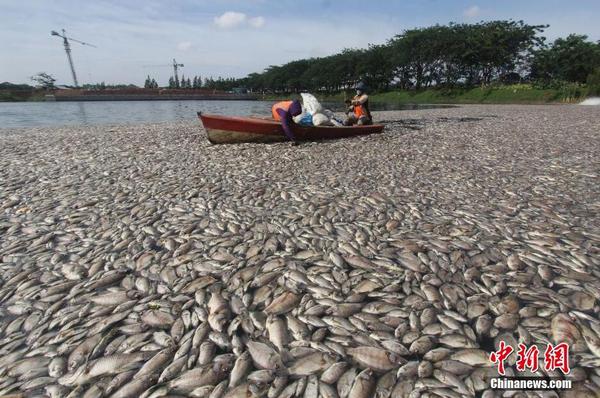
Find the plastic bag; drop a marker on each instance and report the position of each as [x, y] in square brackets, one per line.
[328, 113]
[310, 104]
[313, 113]
[304, 119]
[320, 119]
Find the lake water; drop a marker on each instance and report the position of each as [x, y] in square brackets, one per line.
[44, 114]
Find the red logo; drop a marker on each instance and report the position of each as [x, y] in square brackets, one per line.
[555, 357]
[501, 355]
[527, 358]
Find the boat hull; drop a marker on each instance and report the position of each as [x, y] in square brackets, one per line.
[231, 130]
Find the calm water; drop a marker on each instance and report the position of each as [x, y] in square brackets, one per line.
[43, 114]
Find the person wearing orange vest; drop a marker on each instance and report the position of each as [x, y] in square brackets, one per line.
[284, 112]
[358, 111]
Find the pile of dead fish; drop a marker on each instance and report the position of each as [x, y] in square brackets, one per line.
[120, 278]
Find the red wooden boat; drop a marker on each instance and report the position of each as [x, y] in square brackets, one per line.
[231, 130]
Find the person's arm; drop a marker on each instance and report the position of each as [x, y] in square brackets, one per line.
[360, 100]
[286, 121]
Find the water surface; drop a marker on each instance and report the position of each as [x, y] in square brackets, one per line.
[46, 114]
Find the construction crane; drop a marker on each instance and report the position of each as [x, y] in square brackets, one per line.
[68, 50]
[175, 66]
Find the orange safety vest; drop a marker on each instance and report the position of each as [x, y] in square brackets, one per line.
[362, 110]
[285, 105]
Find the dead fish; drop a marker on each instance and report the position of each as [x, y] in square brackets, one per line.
[591, 339]
[374, 358]
[363, 386]
[173, 369]
[241, 368]
[198, 377]
[57, 367]
[264, 356]
[345, 382]
[104, 366]
[453, 381]
[282, 303]
[332, 374]
[564, 330]
[83, 350]
[157, 318]
[156, 363]
[472, 356]
[311, 364]
[277, 332]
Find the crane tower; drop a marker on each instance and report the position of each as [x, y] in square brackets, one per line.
[68, 51]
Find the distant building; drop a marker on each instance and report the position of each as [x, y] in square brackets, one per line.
[239, 90]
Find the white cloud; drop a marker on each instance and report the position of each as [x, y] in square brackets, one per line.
[257, 22]
[472, 12]
[230, 19]
[184, 46]
[233, 19]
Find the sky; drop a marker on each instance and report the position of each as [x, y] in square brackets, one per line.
[232, 38]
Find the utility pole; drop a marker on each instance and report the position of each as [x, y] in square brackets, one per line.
[68, 51]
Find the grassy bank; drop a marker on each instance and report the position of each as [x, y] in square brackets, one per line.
[7, 96]
[513, 94]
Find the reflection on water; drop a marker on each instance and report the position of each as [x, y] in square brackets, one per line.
[42, 114]
[82, 115]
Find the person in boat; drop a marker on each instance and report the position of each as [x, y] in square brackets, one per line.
[358, 110]
[284, 112]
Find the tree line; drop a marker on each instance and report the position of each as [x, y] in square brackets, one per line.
[451, 55]
[197, 82]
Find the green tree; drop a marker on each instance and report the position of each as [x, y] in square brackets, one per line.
[472, 53]
[570, 59]
[45, 80]
[375, 67]
[209, 83]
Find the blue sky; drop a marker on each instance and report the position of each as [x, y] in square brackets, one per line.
[234, 37]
